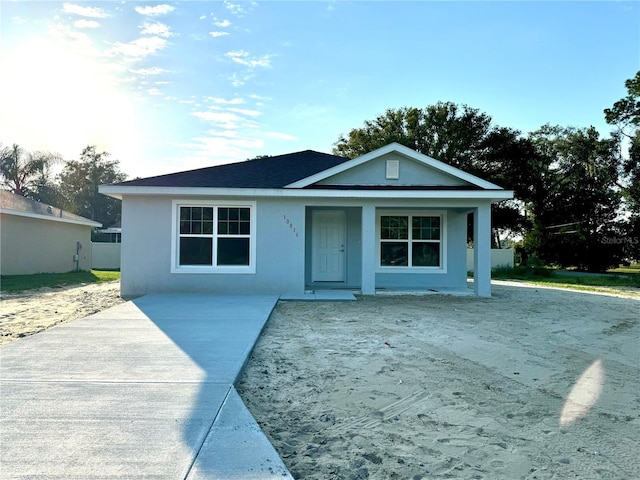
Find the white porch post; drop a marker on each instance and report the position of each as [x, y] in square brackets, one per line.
[482, 250]
[368, 250]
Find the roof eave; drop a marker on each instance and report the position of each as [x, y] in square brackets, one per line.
[118, 191]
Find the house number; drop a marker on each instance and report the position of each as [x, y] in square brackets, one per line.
[290, 223]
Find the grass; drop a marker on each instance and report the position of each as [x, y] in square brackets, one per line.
[16, 283]
[549, 276]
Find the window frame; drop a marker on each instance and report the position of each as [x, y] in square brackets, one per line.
[442, 214]
[212, 269]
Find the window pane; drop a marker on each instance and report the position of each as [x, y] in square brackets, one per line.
[426, 228]
[207, 214]
[223, 227]
[394, 254]
[244, 214]
[196, 251]
[394, 228]
[233, 251]
[196, 213]
[233, 228]
[185, 213]
[185, 227]
[196, 227]
[234, 213]
[245, 228]
[207, 227]
[425, 254]
[223, 213]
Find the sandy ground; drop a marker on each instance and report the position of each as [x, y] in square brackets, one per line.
[32, 311]
[531, 384]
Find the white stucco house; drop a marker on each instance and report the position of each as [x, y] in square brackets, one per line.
[40, 238]
[392, 219]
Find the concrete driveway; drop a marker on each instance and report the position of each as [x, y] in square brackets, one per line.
[142, 390]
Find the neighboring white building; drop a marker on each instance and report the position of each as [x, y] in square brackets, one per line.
[39, 238]
[391, 219]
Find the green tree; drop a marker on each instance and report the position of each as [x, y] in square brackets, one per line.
[460, 136]
[29, 173]
[79, 180]
[625, 114]
[574, 200]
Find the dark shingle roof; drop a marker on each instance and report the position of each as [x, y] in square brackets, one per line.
[18, 203]
[268, 172]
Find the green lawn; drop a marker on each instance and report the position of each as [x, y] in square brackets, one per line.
[547, 276]
[15, 283]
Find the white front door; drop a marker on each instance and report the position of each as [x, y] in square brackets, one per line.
[329, 245]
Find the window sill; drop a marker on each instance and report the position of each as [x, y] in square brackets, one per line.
[411, 270]
[214, 270]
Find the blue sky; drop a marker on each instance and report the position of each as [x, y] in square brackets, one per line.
[170, 86]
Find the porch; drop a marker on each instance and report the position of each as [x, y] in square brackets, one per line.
[396, 248]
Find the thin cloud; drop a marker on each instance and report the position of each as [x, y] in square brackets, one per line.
[157, 28]
[154, 91]
[91, 12]
[226, 120]
[149, 71]
[244, 111]
[138, 48]
[218, 34]
[239, 9]
[222, 24]
[155, 11]
[243, 58]
[86, 24]
[223, 101]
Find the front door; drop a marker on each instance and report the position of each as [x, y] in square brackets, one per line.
[329, 242]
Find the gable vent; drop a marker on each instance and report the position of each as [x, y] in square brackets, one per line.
[393, 169]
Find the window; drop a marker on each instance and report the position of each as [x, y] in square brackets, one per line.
[411, 240]
[213, 238]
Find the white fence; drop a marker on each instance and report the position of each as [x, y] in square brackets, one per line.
[105, 256]
[502, 257]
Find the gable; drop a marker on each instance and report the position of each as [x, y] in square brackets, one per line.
[381, 171]
[435, 174]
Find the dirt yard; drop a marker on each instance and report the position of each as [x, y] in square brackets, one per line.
[531, 384]
[32, 311]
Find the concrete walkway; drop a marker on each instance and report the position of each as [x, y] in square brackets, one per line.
[142, 390]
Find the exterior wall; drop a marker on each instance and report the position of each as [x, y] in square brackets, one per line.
[374, 172]
[105, 255]
[500, 257]
[30, 245]
[146, 251]
[283, 248]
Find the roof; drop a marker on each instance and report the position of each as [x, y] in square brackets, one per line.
[12, 204]
[297, 175]
[267, 172]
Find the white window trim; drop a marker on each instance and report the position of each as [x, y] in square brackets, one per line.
[209, 269]
[409, 269]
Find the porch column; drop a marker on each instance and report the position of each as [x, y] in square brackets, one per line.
[368, 250]
[482, 250]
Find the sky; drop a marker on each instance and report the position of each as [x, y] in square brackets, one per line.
[172, 86]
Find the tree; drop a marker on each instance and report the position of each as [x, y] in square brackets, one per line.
[573, 204]
[28, 173]
[79, 180]
[625, 114]
[460, 136]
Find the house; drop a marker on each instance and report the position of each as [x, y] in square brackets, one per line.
[392, 219]
[39, 238]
